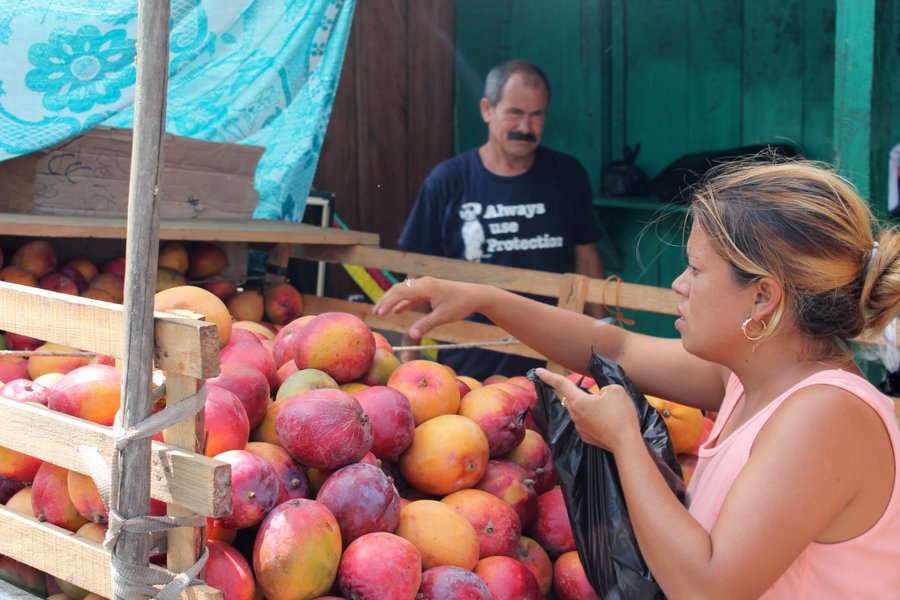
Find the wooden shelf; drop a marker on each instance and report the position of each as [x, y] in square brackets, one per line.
[250, 230]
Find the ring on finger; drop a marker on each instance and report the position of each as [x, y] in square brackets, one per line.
[408, 281]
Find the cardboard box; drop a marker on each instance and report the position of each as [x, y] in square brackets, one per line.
[88, 175]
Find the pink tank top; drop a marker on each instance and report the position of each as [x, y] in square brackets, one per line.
[867, 566]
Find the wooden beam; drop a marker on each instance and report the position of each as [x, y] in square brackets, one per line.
[183, 345]
[176, 475]
[259, 231]
[527, 281]
[62, 554]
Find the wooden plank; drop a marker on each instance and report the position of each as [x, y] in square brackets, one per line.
[176, 475]
[184, 346]
[458, 333]
[383, 82]
[818, 80]
[657, 83]
[430, 59]
[772, 71]
[528, 281]
[184, 544]
[253, 230]
[76, 559]
[714, 85]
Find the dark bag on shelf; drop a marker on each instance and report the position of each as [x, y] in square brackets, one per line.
[623, 178]
[677, 180]
[593, 493]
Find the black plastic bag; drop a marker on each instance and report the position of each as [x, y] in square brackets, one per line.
[623, 177]
[677, 180]
[592, 490]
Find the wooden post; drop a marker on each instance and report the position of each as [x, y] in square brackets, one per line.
[862, 88]
[141, 252]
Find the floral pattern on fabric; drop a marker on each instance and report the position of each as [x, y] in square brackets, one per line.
[240, 71]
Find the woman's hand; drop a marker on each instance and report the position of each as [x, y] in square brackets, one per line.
[450, 301]
[607, 419]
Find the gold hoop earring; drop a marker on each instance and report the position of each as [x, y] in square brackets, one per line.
[750, 337]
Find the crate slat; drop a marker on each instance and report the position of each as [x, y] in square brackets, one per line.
[177, 476]
[62, 554]
[191, 346]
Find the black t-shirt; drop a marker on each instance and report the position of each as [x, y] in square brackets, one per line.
[532, 221]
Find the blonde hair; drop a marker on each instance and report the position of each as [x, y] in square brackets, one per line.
[805, 226]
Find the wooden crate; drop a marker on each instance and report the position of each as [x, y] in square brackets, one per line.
[188, 482]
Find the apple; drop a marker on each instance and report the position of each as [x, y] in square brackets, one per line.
[499, 415]
[252, 353]
[304, 380]
[246, 305]
[533, 556]
[260, 330]
[570, 582]
[17, 341]
[551, 527]
[380, 565]
[173, 255]
[451, 581]
[429, 386]
[8, 487]
[282, 303]
[534, 455]
[496, 523]
[362, 499]
[85, 266]
[109, 283]
[249, 385]
[325, 429]
[13, 370]
[508, 579]
[37, 256]
[283, 351]
[58, 282]
[197, 300]
[509, 482]
[50, 499]
[18, 275]
[384, 363]
[90, 392]
[116, 266]
[25, 390]
[168, 278]
[223, 288]
[226, 425]
[390, 414]
[205, 261]
[292, 479]
[75, 275]
[297, 551]
[229, 571]
[338, 343]
[254, 488]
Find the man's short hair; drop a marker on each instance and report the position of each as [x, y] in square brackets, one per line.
[499, 75]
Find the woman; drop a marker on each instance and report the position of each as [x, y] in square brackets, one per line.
[797, 493]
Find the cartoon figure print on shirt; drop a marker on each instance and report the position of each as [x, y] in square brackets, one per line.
[472, 231]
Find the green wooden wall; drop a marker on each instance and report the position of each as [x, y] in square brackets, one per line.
[681, 76]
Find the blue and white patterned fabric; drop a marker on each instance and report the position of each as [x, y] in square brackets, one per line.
[260, 72]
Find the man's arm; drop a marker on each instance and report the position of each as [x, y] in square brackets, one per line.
[588, 262]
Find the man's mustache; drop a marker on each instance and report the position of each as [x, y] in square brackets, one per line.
[521, 137]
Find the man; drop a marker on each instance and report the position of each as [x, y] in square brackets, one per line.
[509, 202]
